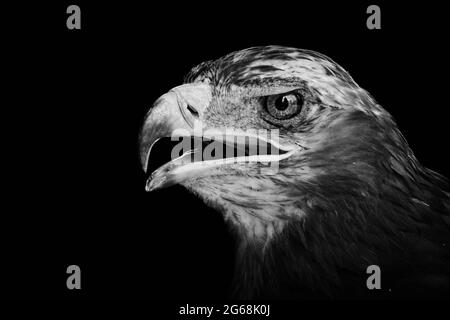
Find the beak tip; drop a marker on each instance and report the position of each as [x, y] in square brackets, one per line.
[156, 182]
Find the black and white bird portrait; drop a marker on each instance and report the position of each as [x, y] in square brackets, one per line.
[347, 192]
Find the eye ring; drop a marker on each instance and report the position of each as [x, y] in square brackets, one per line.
[284, 106]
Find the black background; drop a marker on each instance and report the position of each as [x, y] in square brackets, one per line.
[77, 196]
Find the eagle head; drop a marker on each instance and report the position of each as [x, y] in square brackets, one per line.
[313, 176]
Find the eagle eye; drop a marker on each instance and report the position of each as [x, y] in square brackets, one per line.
[284, 106]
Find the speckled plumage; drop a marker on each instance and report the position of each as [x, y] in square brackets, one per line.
[354, 196]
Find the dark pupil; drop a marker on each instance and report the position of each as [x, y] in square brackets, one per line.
[282, 103]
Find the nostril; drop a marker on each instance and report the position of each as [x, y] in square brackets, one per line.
[192, 110]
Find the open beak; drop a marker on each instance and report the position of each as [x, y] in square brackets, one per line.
[176, 121]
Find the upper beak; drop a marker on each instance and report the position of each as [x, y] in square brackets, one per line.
[179, 110]
[175, 113]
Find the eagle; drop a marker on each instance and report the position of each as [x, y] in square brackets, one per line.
[319, 184]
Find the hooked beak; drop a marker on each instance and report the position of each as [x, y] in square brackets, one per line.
[178, 114]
